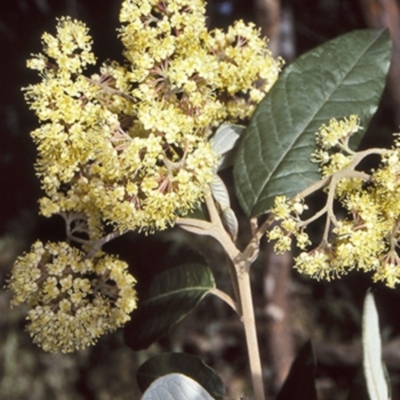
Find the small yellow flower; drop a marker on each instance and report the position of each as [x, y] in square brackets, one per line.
[282, 208]
[317, 264]
[283, 240]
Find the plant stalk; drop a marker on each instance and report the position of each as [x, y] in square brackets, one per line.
[246, 301]
[242, 262]
[240, 276]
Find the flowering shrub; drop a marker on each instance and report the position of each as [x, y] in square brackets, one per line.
[139, 145]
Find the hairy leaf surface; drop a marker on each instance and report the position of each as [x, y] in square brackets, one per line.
[175, 387]
[374, 371]
[185, 364]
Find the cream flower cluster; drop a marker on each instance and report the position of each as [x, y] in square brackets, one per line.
[368, 236]
[126, 148]
[72, 300]
[129, 146]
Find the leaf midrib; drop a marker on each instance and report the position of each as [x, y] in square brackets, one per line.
[178, 291]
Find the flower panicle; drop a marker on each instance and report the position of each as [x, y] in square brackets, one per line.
[366, 237]
[107, 142]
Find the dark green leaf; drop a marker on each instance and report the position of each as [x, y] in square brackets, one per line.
[173, 294]
[185, 364]
[300, 384]
[342, 77]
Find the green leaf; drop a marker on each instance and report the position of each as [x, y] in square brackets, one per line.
[186, 364]
[342, 77]
[374, 371]
[300, 384]
[173, 294]
[175, 387]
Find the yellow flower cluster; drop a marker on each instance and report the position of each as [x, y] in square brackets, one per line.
[333, 152]
[288, 212]
[129, 146]
[126, 149]
[368, 237]
[73, 301]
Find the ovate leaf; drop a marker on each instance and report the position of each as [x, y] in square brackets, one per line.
[224, 142]
[374, 371]
[220, 192]
[300, 384]
[231, 222]
[342, 77]
[221, 195]
[175, 387]
[191, 366]
[173, 294]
